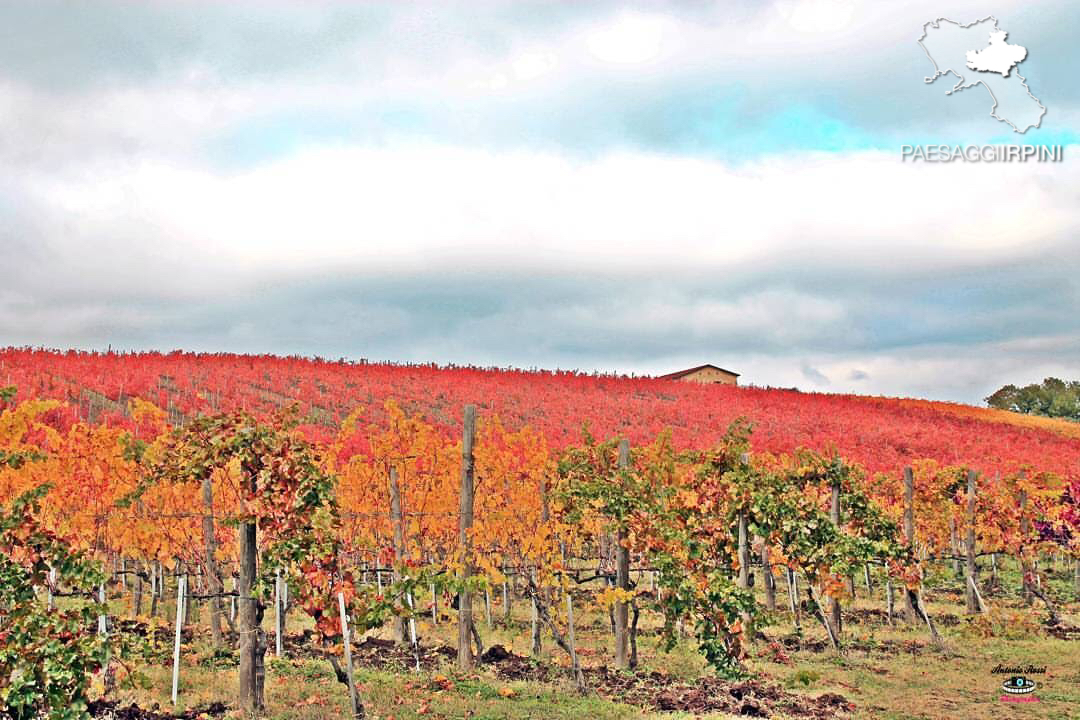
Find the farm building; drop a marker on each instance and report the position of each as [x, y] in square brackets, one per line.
[705, 375]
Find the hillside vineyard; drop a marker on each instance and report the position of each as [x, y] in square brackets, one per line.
[376, 492]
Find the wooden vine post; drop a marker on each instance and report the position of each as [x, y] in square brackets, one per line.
[52, 589]
[769, 578]
[974, 602]
[622, 577]
[465, 522]
[742, 580]
[744, 571]
[744, 554]
[434, 605]
[398, 525]
[210, 543]
[137, 591]
[888, 598]
[1025, 562]
[909, 535]
[155, 587]
[834, 516]
[354, 699]
[249, 612]
[534, 629]
[575, 664]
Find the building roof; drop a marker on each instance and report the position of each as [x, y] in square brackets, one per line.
[691, 371]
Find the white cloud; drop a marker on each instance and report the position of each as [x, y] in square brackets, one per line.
[629, 39]
[429, 206]
[817, 16]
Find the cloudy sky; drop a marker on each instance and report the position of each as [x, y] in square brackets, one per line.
[605, 186]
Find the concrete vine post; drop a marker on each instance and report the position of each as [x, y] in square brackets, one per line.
[181, 598]
[103, 618]
[279, 621]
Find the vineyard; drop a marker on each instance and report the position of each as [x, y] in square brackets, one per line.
[434, 529]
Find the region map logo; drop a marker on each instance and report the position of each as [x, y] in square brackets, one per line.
[978, 54]
[975, 55]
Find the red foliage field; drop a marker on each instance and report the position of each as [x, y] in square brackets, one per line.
[880, 433]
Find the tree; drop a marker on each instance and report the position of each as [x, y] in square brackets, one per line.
[1051, 398]
[47, 656]
[286, 498]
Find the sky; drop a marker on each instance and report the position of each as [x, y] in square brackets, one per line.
[606, 186]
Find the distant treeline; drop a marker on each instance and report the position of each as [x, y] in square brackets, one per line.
[1051, 398]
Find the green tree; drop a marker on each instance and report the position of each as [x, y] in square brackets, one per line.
[47, 656]
[1051, 398]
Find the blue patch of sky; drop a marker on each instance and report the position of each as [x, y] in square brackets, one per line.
[729, 121]
[1039, 136]
[805, 127]
[714, 125]
[270, 137]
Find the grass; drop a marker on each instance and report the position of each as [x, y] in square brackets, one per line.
[878, 672]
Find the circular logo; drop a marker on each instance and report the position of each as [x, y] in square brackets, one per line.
[1018, 685]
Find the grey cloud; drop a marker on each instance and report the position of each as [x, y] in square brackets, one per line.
[591, 322]
[342, 66]
[65, 45]
[814, 375]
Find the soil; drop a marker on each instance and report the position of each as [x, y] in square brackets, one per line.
[386, 654]
[866, 616]
[881, 647]
[659, 692]
[1063, 632]
[508, 666]
[111, 710]
[653, 691]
